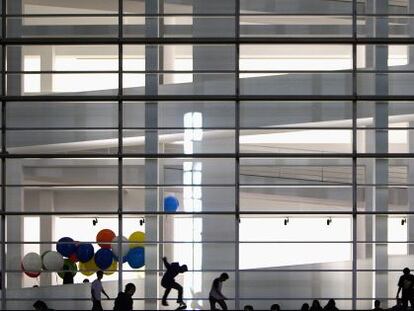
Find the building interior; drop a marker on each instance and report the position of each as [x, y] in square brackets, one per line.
[284, 129]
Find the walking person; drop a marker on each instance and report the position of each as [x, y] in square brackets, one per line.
[124, 300]
[96, 292]
[406, 286]
[216, 295]
[168, 281]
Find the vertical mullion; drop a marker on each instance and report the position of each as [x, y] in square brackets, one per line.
[3, 159]
[237, 150]
[120, 141]
[354, 156]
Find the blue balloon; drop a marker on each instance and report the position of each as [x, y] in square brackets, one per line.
[85, 252]
[66, 246]
[103, 258]
[171, 204]
[136, 257]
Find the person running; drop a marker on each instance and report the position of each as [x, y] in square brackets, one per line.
[168, 281]
[216, 296]
[406, 285]
[96, 291]
[124, 300]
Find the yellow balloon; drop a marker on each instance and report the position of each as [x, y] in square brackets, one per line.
[88, 268]
[136, 239]
[113, 267]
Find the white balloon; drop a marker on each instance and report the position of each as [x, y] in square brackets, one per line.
[125, 246]
[32, 262]
[53, 261]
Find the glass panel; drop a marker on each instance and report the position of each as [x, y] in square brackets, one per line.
[70, 141]
[295, 57]
[188, 141]
[398, 113]
[296, 7]
[300, 26]
[295, 141]
[62, 27]
[296, 198]
[212, 171]
[382, 171]
[62, 171]
[173, 114]
[385, 83]
[177, 26]
[285, 83]
[274, 171]
[310, 114]
[61, 114]
[261, 285]
[190, 198]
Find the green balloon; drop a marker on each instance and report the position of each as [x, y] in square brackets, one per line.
[68, 266]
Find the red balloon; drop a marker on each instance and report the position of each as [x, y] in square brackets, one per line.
[105, 236]
[73, 258]
[29, 274]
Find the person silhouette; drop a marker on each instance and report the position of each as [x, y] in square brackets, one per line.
[377, 306]
[275, 307]
[248, 308]
[216, 296]
[330, 306]
[168, 281]
[305, 307]
[316, 306]
[96, 291]
[406, 285]
[124, 300]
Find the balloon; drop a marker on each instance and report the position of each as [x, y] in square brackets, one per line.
[29, 274]
[88, 268]
[136, 239]
[171, 204]
[52, 261]
[66, 246]
[73, 258]
[112, 269]
[125, 247]
[32, 264]
[104, 237]
[85, 252]
[136, 257]
[68, 265]
[104, 258]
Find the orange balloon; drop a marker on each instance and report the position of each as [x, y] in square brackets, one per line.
[105, 237]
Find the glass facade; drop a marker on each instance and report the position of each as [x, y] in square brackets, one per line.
[284, 128]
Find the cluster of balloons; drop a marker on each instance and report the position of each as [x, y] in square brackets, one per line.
[69, 252]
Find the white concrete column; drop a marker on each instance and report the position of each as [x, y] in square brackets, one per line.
[151, 165]
[377, 57]
[14, 229]
[410, 194]
[47, 58]
[46, 204]
[168, 55]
